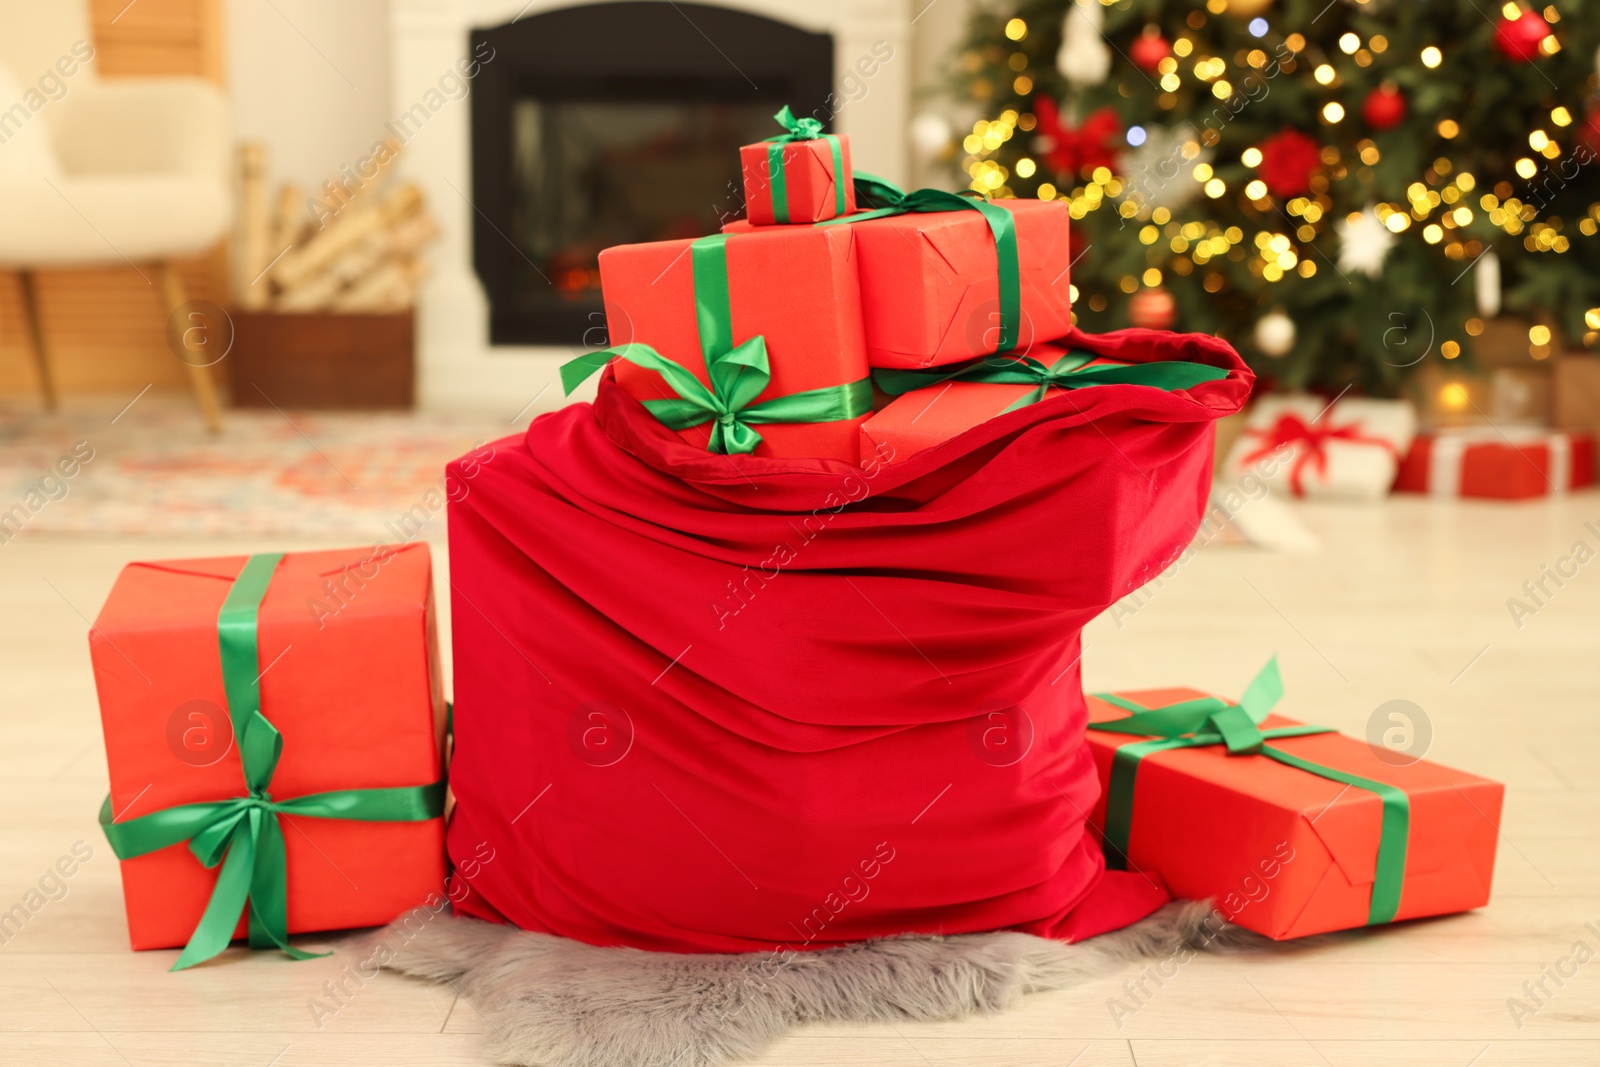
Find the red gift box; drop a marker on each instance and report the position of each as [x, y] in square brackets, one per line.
[349, 676]
[930, 289]
[1282, 850]
[793, 286]
[797, 181]
[1515, 463]
[922, 418]
[930, 282]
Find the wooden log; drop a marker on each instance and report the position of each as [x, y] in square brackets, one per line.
[345, 231]
[290, 220]
[254, 235]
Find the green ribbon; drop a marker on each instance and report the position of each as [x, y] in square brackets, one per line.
[737, 377]
[1068, 372]
[800, 129]
[243, 834]
[885, 198]
[738, 372]
[1212, 721]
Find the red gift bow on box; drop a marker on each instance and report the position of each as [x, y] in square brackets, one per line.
[1291, 429]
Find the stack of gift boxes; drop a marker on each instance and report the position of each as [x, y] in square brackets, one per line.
[257, 756]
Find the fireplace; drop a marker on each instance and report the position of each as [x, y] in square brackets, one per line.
[613, 123]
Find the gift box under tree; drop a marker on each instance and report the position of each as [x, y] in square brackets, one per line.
[1500, 463]
[273, 730]
[1348, 447]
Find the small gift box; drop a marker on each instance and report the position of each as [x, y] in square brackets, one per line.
[1307, 446]
[746, 342]
[936, 405]
[801, 175]
[1511, 463]
[1292, 829]
[273, 728]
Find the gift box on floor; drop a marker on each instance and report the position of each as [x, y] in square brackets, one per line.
[1511, 463]
[1307, 446]
[802, 175]
[1292, 829]
[273, 727]
[745, 342]
[936, 405]
[947, 278]
[1575, 391]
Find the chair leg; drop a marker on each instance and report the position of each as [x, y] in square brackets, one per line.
[35, 324]
[200, 380]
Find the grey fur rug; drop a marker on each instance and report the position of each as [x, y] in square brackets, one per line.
[551, 1002]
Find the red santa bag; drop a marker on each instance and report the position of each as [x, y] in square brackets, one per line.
[736, 703]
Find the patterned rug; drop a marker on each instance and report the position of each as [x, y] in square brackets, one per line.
[151, 469]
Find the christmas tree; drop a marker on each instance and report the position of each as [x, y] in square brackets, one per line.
[1341, 189]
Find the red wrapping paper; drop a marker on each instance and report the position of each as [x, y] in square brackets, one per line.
[923, 418]
[795, 286]
[1286, 853]
[809, 181]
[696, 693]
[1506, 464]
[930, 286]
[350, 678]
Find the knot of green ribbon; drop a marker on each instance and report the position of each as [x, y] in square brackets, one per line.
[737, 377]
[738, 372]
[805, 128]
[883, 198]
[1071, 371]
[244, 834]
[1237, 727]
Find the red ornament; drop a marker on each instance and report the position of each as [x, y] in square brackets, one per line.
[1067, 151]
[1519, 39]
[1153, 309]
[1384, 107]
[1149, 49]
[1288, 160]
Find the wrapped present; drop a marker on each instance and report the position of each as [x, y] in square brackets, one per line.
[948, 277]
[283, 716]
[932, 406]
[742, 343]
[1575, 389]
[1348, 448]
[1510, 463]
[801, 175]
[1293, 829]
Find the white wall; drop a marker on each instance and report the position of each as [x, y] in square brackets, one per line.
[310, 79]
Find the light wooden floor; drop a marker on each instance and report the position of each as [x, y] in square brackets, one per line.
[1405, 601]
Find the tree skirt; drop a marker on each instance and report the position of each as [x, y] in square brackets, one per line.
[354, 475]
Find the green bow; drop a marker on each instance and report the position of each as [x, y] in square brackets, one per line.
[737, 377]
[885, 198]
[800, 129]
[738, 372]
[243, 834]
[1065, 373]
[1212, 721]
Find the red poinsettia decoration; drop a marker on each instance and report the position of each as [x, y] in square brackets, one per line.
[1288, 160]
[1068, 151]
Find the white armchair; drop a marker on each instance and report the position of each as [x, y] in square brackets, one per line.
[103, 172]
